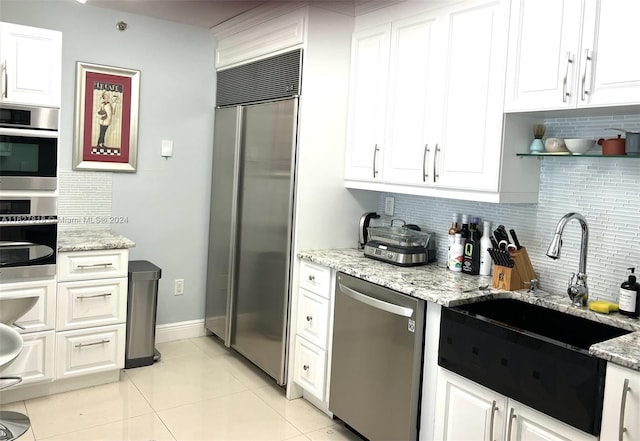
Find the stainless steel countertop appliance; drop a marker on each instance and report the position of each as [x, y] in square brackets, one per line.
[378, 341]
[404, 245]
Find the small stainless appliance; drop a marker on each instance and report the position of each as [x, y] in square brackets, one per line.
[403, 246]
[378, 341]
[28, 147]
[28, 237]
[365, 221]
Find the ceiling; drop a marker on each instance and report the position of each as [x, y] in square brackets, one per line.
[203, 13]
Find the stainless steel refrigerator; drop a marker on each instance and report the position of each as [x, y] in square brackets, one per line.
[250, 235]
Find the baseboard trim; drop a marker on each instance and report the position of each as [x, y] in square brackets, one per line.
[180, 331]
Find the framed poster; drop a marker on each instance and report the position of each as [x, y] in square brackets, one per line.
[106, 118]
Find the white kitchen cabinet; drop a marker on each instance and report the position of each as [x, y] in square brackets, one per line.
[572, 54]
[367, 104]
[469, 411]
[621, 407]
[413, 104]
[36, 361]
[444, 134]
[314, 326]
[42, 315]
[31, 62]
[92, 311]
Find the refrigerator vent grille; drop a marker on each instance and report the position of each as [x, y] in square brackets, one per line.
[268, 79]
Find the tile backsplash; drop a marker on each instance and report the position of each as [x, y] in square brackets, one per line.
[85, 200]
[605, 190]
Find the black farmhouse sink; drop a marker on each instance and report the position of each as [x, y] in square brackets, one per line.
[532, 354]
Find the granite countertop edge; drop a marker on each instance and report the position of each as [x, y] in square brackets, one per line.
[90, 240]
[434, 283]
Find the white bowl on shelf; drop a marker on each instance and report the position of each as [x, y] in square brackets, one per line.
[579, 146]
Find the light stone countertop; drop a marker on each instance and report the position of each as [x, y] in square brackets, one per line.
[89, 240]
[434, 283]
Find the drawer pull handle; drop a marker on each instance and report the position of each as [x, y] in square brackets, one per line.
[104, 294]
[83, 345]
[95, 265]
[309, 318]
[305, 367]
[312, 278]
[623, 404]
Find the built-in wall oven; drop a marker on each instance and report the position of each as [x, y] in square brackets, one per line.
[28, 147]
[28, 237]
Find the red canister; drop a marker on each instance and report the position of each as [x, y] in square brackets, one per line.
[612, 146]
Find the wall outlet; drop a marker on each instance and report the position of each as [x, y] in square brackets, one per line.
[178, 287]
[388, 206]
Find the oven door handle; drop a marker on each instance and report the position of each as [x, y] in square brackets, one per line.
[379, 304]
[9, 131]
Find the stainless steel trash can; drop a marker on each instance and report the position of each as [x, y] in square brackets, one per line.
[142, 301]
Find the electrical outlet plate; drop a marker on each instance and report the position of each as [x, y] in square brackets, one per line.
[178, 288]
[388, 206]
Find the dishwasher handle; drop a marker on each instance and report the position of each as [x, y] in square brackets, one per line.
[379, 304]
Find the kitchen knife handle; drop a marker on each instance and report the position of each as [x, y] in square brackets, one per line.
[514, 239]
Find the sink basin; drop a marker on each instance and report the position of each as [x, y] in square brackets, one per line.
[532, 354]
[555, 326]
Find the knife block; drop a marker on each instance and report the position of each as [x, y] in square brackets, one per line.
[511, 279]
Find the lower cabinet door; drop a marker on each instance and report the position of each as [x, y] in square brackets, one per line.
[88, 351]
[310, 368]
[526, 424]
[621, 409]
[35, 362]
[468, 411]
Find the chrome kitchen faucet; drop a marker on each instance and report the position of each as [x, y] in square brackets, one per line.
[577, 289]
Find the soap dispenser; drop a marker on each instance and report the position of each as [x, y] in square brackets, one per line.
[629, 301]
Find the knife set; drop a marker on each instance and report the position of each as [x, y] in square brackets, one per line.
[512, 267]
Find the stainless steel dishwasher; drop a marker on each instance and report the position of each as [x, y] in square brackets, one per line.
[376, 367]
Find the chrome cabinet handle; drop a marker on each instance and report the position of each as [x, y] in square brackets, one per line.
[436, 175]
[425, 160]
[494, 409]
[104, 294]
[312, 278]
[6, 79]
[512, 416]
[375, 155]
[95, 265]
[84, 345]
[565, 93]
[309, 318]
[623, 404]
[584, 91]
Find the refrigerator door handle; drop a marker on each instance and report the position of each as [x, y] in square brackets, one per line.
[231, 288]
[385, 306]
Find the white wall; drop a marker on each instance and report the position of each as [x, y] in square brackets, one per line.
[166, 202]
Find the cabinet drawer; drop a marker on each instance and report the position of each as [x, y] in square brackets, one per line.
[87, 265]
[91, 303]
[315, 278]
[313, 318]
[83, 351]
[310, 368]
[43, 314]
[35, 362]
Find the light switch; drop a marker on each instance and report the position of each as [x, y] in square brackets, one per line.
[167, 148]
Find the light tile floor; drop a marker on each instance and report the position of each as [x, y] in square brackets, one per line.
[198, 390]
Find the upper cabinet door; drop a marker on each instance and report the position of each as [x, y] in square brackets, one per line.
[31, 64]
[413, 103]
[543, 56]
[469, 151]
[367, 103]
[610, 68]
